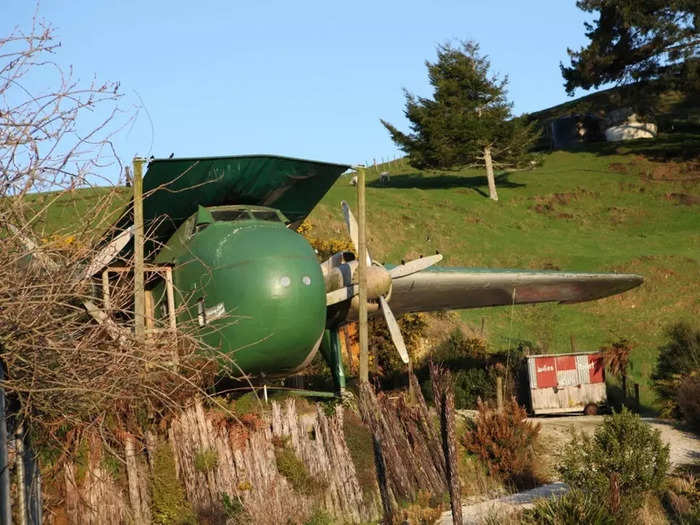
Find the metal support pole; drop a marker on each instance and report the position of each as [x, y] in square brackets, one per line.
[139, 294]
[362, 273]
[5, 508]
[32, 485]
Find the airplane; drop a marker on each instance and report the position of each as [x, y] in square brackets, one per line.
[253, 287]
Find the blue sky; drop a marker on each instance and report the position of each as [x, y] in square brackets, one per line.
[306, 79]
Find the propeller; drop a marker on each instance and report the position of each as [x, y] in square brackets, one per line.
[381, 282]
[108, 253]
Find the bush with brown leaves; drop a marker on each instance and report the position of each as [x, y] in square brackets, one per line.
[505, 442]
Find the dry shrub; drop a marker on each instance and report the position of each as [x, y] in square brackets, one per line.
[681, 498]
[474, 477]
[69, 372]
[506, 443]
[425, 510]
[66, 374]
[688, 399]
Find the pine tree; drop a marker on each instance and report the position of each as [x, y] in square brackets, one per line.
[633, 40]
[468, 120]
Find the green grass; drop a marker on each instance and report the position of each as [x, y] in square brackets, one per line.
[597, 208]
[574, 213]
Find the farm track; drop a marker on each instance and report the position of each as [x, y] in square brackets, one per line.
[684, 449]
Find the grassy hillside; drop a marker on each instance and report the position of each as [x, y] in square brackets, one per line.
[672, 110]
[625, 208]
[605, 208]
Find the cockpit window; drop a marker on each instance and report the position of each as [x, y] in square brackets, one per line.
[230, 215]
[266, 216]
[243, 215]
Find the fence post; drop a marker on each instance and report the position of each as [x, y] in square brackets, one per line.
[139, 295]
[636, 397]
[499, 393]
[19, 469]
[362, 273]
[5, 504]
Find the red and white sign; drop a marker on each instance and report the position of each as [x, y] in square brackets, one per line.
[546, 372]
[567, 375]
[596, 368]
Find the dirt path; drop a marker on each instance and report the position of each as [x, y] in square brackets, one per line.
[685, 448]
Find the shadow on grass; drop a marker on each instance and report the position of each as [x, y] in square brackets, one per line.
[677, 147]
[442, 181]
[616, 401]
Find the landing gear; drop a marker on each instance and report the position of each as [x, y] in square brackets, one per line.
[330, 349]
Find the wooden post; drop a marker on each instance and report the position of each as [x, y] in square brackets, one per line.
[449, 436]
[171, 313]
[106, 301]
[133, 479]
[171, 298]
[5, 508]
[636, 397]
[499, 393]
[19, 469]
[573, 343]
[362, 273]
[139, 298]
[411, 398]
[483, 320]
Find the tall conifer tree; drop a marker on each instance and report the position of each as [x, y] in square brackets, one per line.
[637, 40]
[468, 120]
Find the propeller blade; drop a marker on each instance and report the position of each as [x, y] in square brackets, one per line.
[109, 252]
[342, 294]
[353, 229]
[394, 329]
[32, 247]
[414, 266]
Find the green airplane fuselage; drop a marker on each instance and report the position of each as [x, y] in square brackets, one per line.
[247, 286]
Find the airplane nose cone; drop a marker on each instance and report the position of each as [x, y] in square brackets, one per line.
[271, 283]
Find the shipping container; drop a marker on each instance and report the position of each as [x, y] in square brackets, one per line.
[562, 383]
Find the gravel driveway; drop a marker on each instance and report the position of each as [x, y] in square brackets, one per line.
[684, 445]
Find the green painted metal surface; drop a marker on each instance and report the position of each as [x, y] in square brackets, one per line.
[331, 351]
[174, 188]
[252, 290]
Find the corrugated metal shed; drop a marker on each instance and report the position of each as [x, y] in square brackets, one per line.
[566, 382]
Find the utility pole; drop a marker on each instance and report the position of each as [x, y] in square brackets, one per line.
[362, 273]
[139, 294]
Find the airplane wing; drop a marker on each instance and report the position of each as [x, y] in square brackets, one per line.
[443, 288]
[173, 188]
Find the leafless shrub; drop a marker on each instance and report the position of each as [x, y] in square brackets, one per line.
[67, 372]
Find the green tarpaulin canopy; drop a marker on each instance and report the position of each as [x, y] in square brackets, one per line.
[173, 188]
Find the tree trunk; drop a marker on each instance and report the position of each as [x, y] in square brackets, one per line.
[489, 173]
